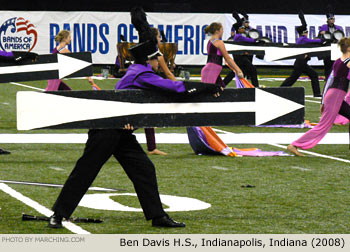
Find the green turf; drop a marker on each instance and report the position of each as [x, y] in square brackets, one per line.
[290, 194]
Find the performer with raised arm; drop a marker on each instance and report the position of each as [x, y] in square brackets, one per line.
[333, 102]
[122, 144]
[300, 64]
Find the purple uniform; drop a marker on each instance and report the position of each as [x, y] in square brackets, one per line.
[241, 38]
[6, 54]
[305, 40]
[140, 76]
[325, 27]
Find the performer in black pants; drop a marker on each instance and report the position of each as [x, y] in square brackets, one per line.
[331, 27]
[300, 64]
[122, 144]
[100, 146]
[245, 61]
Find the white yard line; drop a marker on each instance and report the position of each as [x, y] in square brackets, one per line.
[220, 168]
[300, 168]
[311, 96]
[175, 138]
[41, 209]
[313, 101]
[56, 168]
[303, 151]
[315, 154]
[22, 85]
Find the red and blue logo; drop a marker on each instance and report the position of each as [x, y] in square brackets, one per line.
[18, 34]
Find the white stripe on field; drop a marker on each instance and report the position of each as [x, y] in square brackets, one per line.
[41, 209]
[315, 154]
[303, 151]
[300, 168]
[22, 85]
[220, 168]
[176, 138]
[313, 101]
[311, 96]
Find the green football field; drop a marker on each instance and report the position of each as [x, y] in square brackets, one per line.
[247, 195]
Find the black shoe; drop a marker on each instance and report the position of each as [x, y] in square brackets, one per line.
[4, 152]
[55, 221]
[317, 95]
[166, 221]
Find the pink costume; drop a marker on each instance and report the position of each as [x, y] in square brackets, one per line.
[334, 103]
[341, 119]
[211, 71]
[56, 84]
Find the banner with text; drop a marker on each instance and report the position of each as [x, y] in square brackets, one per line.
[99, 32]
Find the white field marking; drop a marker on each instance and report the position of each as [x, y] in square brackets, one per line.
[56, 168]
[311, 96]
[300, 168]
[315, 154]
[92, 188]
[44, 138]
[103, 201]
[93, 77]
[22, 85]
[313, 101]
[220, 168]
[5, 103]
[175, 138]
[303, 151]
[41, 209]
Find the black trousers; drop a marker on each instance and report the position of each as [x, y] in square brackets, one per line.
[100, 146]
[328, 64]
[245, 64]
[301, 66]
[345, 110]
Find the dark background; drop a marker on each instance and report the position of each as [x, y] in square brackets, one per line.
[203, 6]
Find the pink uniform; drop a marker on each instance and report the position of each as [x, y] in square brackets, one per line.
[56, 84]
[334, 103]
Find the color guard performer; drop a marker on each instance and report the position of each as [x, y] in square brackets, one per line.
[63, 38]
[216, 50]
[333, 102]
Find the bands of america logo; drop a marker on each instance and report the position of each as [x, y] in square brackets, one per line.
[18, 34]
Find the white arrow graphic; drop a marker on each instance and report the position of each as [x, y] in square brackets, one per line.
[277, 53]
[66, 65]
[335, 51]
[234, 47]
[273, 53]
[37, 110]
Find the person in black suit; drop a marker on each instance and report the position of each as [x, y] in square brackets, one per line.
[122, 144]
